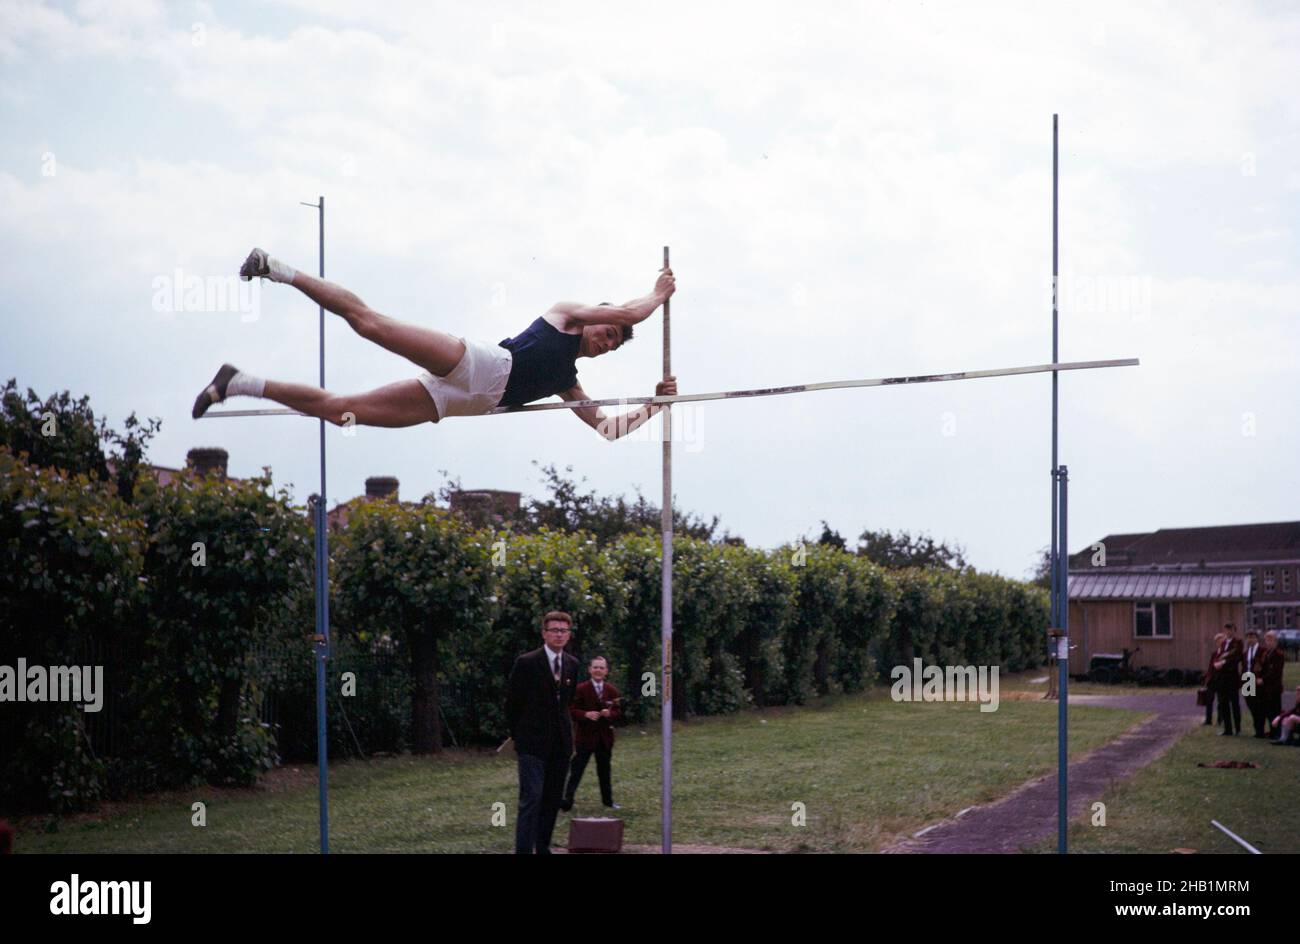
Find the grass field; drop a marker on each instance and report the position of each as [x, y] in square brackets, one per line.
[1029, 682]
[1169, 804]
[868, 770]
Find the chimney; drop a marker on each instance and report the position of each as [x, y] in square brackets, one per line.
[207, 461]
[381, 486]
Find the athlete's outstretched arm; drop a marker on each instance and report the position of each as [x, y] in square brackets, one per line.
[614, 427]
[629, 313]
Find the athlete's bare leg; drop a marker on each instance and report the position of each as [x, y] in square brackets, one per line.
[435, 351]
[405, 403]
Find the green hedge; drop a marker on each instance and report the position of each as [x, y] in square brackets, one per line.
[213, 675]
[173, 595]
[70, 580]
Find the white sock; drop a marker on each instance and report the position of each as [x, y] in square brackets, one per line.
[245, 385]
[279, 272]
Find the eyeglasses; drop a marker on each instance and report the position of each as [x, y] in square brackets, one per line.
[560, 629]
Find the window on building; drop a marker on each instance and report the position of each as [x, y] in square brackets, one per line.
[1270, 581]
[1286, 581]
[1286, 618]
[1254, 618]
[1270, 618]
[1153, 620]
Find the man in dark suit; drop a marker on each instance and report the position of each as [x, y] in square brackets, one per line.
[1272, 663]
[537, 712]
[595, 708]
[1252, 659]
[1227, 680]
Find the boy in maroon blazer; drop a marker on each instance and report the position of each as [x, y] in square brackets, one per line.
[594, 709]
[1209, 679]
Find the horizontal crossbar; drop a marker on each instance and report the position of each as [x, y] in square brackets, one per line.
[765, 391]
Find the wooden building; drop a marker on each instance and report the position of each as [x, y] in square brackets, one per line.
[1171, 616]
[1270, 552]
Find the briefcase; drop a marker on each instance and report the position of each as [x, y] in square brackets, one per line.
[601, 834]
[1202, 697]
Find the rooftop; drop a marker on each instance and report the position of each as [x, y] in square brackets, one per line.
[1108, 583]
[1238, 543]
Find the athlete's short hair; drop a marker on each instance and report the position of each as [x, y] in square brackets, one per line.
[626, 329]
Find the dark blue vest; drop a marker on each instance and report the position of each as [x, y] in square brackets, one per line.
[543, 363]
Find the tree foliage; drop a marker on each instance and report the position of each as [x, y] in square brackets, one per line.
[903, 550]
[60, 432]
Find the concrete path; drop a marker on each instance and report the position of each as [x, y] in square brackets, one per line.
[1028, 815]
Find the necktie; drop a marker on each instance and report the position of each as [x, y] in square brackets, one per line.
[555, 668]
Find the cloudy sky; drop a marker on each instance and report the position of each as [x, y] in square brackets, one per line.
[849, 190]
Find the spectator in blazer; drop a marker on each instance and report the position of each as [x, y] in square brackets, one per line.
[1251, 661]
[1288, 721]
[595, 708]
[1272, 663]
[1209, 679]
[537, 712]
[1227, 680]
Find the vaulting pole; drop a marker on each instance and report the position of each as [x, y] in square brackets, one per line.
[1234, 837]
[666, 608]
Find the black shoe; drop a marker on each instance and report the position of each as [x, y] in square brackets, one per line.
[566, 804]
[1226, 734]
[214, 392]
[1277, 743]
[613, 806]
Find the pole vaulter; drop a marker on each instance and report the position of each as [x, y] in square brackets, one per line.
[468, 378]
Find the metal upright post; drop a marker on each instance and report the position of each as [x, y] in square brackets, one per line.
[666, 614]
[322, 638]
[1060, 552]
[1062, 717]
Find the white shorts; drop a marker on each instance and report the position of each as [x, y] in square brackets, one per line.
[475, 385]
